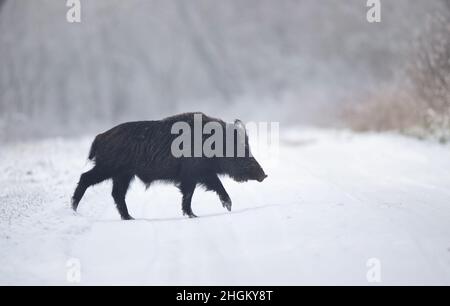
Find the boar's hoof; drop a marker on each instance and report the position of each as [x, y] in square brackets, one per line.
[190, 214]
[74, 205]
[227, 204]
[128, 217]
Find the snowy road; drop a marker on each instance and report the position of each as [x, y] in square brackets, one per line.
[333, 201]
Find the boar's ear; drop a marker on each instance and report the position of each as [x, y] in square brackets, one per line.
[239, 124]
[242, 133]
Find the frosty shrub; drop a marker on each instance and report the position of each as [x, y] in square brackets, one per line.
[386, 108]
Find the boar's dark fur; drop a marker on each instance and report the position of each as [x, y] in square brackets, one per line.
[143, 150]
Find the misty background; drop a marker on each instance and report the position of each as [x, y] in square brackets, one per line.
[300, 62]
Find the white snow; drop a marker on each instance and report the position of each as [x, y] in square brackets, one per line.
[333, 201]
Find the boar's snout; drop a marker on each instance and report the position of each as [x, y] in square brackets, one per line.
[258, 173]
[262, 178]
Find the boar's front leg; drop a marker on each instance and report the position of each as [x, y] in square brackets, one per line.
[213, 183]
[90, 178]
[120, 188]
[187, 188]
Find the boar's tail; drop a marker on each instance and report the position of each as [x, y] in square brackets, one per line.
[93, 150]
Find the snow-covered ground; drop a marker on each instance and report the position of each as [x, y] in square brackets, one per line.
[335, 207]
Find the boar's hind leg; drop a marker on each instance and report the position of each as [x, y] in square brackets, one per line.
[92, 177]
[120, 188]
[187, 189]
[213, 183]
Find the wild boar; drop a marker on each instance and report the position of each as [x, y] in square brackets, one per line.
[150, 151]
